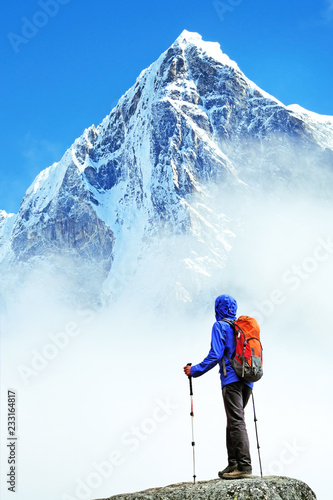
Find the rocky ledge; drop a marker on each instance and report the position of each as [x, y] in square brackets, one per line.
[267, 488]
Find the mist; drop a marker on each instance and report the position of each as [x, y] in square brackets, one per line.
[102, 402]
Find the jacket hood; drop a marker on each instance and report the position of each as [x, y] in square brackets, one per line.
[225, 307]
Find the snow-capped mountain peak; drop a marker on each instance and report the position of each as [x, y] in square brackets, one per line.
[210, 49]
[191, 121]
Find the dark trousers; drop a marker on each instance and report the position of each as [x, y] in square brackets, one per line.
[235, 398]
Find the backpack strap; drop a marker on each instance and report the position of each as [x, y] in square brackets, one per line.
[223, 367]
[232, 324]
[229, 321]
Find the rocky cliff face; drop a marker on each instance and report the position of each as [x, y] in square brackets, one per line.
[192, 120]
[268, 488]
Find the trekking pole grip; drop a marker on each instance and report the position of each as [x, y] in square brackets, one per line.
[190, 381]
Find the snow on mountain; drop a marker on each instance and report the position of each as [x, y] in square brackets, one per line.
[6, 225]
[192, 129]
[321, 126]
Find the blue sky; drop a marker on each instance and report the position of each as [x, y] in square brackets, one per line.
[65, 64]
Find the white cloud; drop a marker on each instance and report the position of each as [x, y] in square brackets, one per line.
[93, 401]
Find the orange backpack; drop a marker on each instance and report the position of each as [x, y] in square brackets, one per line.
[247, 358]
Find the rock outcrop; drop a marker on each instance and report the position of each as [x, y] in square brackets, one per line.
[268, 488]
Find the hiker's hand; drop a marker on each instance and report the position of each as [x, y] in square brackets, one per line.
[187, 370]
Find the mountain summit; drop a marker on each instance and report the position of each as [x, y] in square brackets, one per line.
[191, 126]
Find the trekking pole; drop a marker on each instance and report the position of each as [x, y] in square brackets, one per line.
[192, 415]
[255, 423]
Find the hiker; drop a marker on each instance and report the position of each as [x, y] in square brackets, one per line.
[236, 392]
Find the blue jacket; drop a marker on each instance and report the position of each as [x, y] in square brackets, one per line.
[223, 342]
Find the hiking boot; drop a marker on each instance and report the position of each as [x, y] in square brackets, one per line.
[237, 474]
[229, 468]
